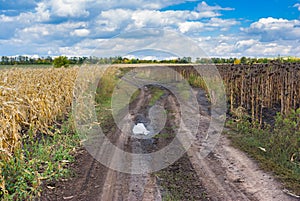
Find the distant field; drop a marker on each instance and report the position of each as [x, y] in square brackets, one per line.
[24, 66]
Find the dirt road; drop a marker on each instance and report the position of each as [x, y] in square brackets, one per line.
[229, 174]
[226, 174]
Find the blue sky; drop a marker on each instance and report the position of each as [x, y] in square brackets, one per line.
[227, 28]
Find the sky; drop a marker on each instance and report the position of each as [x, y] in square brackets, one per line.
[221, 28]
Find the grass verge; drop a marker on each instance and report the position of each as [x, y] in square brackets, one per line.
[156, 94]
[103, 99]
[43, 158]
[276, 149]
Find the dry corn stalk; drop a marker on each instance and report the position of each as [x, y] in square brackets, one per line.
[32, 99]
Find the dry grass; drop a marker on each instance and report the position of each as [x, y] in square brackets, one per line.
[31, 100]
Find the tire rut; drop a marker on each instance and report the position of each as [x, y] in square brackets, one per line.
[226, 174]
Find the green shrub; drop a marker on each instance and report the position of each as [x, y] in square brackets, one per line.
[61, 61]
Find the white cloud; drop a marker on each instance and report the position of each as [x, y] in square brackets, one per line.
[218, 22]
[297, 5]
[126, 19]
[269, 49]
[136, 4]
[83, 8]
[184, 21]
[40, 15]
[158, 58]
[272, 29]
[68, 8]
[203, 6]
[224, 47]
[46, 33]
[42, 12]
[9, 25]
[270, 24]
[112, 20]
[244, 44]
[211, 25]
[220, 45]
[78, 27]
[80, 32]
[152, 18]
[190, 26]
[36, 31]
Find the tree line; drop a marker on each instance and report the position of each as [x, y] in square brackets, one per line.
[25, 60]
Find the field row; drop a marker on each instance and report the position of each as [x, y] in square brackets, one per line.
[31, 100]
[257, 89]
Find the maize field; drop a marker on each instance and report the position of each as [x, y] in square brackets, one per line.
[31, 100]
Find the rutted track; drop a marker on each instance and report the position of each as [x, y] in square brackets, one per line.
[122, 186]
[226, 174]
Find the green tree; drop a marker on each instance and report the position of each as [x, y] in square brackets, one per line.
[243, 60]
[61, 61]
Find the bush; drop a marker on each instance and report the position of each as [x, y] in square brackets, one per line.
[61, 61]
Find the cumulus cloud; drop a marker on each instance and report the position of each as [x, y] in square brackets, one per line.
[68, 8]
[143, 18]
[272, 29]
[83, 8]
[80, 32]
[9, 25]
[41, 14]
[77, 27]
[210, 25]
[190, 26]
[203, 6]
[269, 49]
[136, 4]
[245, 44]
[36, 31]
[113, 20]
[47, 33]
[151, 18]
[183, 20]
[218, 22]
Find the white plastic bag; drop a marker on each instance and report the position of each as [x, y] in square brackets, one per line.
[140, 129]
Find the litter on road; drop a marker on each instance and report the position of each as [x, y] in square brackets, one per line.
[140, 129]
